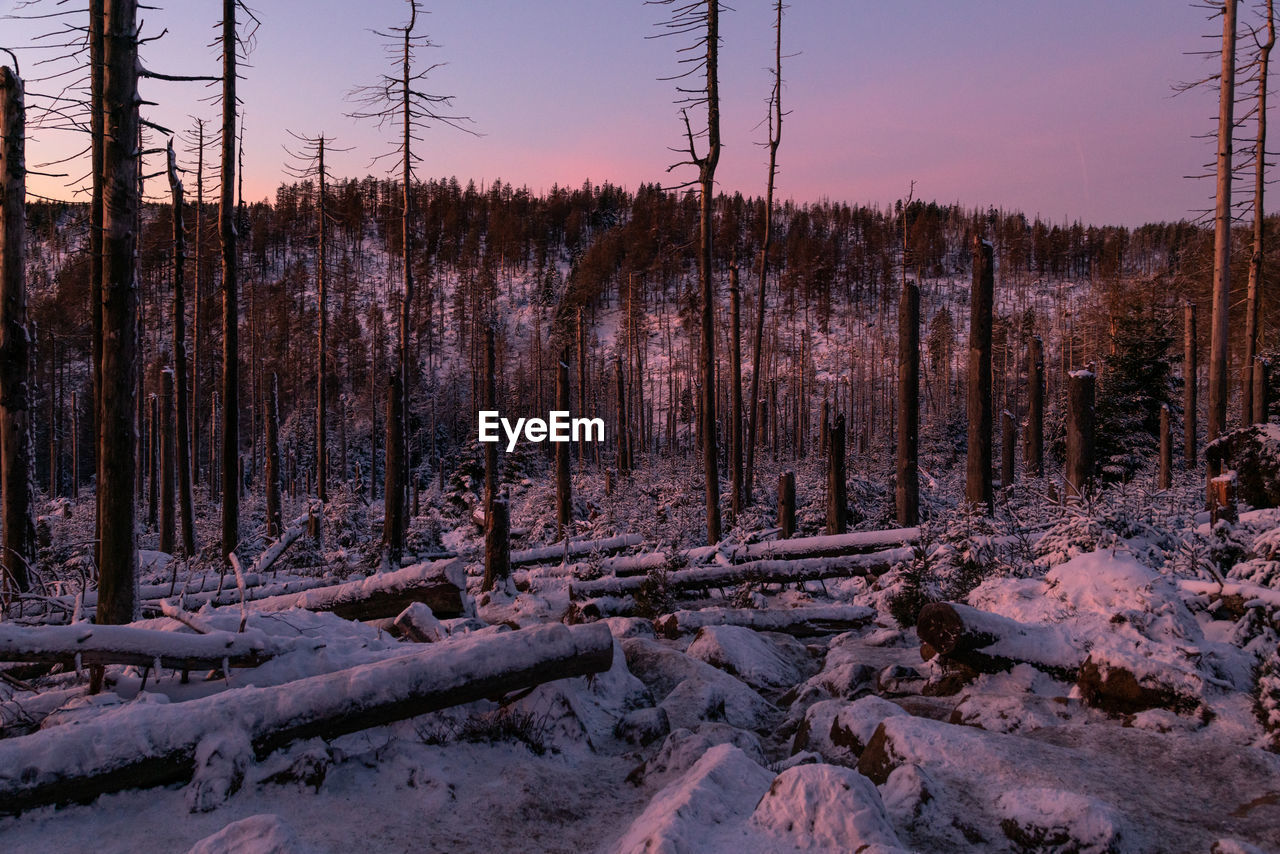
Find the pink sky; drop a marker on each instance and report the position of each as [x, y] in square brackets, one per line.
[1061, 109]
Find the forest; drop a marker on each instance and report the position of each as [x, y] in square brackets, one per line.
[913, 527]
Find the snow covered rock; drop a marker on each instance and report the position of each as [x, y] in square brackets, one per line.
[257, 834]
[692, 690]
[221, 760]
[907, 793]
[855, 723]
[643, 726]
[761, 662]
[825, 807]
[814, 733]
[702, 810]
[683, 747]
[1051, 820]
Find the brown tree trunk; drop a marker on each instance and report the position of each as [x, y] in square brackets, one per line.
[787, 504]
[1008, 442]
[491, 403]
[167, 474]
[1253, 300]
[978, 468]
[624, 438]
[706, 279]
[837, 489]
[1166, 449]
[1080, 438]
[1190, 372]
[564, 488]
[393, 497]
[1219, 353]
[1261, 382]
[182, 448]
[97, 147]
[230, 293]
[18, 545]
[322, 348]
[117, 448]
[197, 318]
[908, 473]
[1033, 453]
[735, 379]
[497, 544]
[275, 521]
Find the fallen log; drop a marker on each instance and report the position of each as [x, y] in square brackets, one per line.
[83, 644]
[1127, 682]
[802, 621]
[230, 595]
[832, 545]
[150, 745]
[990, 643]
[760, 572]
[439, 585]
[547, 554]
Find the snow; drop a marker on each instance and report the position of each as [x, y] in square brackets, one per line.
[759, 661]
[825, 807]
[258, 834]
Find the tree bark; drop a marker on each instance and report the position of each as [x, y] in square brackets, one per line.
[1033, 454]
[322, 344]
[978, 468]
[230, 293]
[18, 544]
[787, 504]
[393, 498]
[1080, 438]
[497, 544]
[117, 447]
[735, 378]
[908, 472]
[1166, 449]
[1253, 300]
[1190, 375]
[707, 351]
[837, 490]
[1261, 381]
[564, 487]
[1008, 442]
[1219, 353]
[275, 517]
[182, 448]
[167, 474]
[97, 148]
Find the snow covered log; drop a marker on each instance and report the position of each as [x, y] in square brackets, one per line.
[832, 545]
[84, 644]
[156, 744]
[1120, 682]
[990, 643]
[438, 584]
[548, 554]
[759, 571]
[803, 621]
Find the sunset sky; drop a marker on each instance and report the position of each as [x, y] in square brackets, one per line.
[1065, 109]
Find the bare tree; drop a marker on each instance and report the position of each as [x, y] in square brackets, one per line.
[230, 292]
[182, 448]
[702, 18]
[775, 138]
[389, 99]
[18, 546]
[117, 450]
[1253, 301]
[1219, 330]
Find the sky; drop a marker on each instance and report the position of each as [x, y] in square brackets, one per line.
[1061, 109]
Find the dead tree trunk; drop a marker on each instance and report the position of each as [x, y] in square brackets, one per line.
[322, 344]
[1219, 341]
[97, 147]
[1033, 453]
[908, 482]
[775, 137]
[1080, 422]
[274, 514]
[230, 293]
[978, 468]
[735, 380]
[1253, 300]
[18, 545]
[182, 447]
[1261, 382]
[393, 497]
[1008, 442]
[497, 544]
[117, 446]
[564, 487]
[490, 403]
[837, 489]
[1166, 449]
[624, 438]
[1190, 371]
[167, 474]
[787, 504]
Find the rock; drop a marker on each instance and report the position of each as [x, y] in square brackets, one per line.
[663, 670]
[855, 723]
[257, 834]
[814, 733]
[825, 807]
[683, 747]
[1051, 820]
[907, 792]
[697, 810]
[643, 726]
[760, 661]
[629, 627]
[899, 679]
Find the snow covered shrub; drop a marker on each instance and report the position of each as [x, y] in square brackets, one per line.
[1122, 516]
[1267, 699]
[655, 596]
